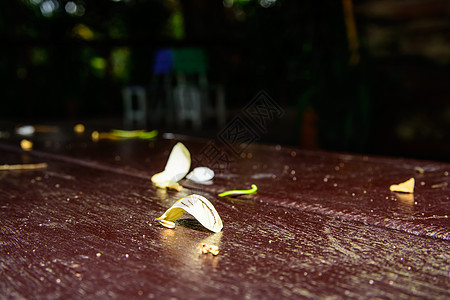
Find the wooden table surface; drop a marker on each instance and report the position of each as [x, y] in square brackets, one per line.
[321, 224]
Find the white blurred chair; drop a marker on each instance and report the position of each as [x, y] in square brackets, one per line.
[135, 107]
[187, 100]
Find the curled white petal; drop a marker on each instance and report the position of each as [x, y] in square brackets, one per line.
[201, 174]
[199, 207]
[177, 167]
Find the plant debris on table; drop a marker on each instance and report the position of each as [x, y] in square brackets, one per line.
[196, 205]
[239, 192]
[177, 167]
[404, 187]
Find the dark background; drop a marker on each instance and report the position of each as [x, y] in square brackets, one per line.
[378, 87]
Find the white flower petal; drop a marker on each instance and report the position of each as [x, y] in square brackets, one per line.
[201, 174]
[177, 167]
[199, 207]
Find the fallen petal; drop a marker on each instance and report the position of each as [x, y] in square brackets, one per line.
[199, 207]
[167, 224]
[175, 187]
[201, 174]
[404, 187]
[177, 167]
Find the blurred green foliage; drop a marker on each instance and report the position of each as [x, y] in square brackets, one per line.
[58, 64]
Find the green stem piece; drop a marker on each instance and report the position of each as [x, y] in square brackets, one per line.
[239, 192]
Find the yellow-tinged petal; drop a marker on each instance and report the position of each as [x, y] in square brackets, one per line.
[162, 180]
[167, 224]
[177, 167]
[404, 187]
[175, 187]
[199, 207]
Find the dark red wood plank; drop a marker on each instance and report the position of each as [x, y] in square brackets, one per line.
[75, 231]
[350, 187]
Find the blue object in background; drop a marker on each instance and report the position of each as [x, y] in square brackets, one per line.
[164, 61]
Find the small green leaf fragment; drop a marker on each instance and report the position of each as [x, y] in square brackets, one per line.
[240, 192]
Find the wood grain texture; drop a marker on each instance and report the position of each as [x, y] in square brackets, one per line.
[84, 226]
[350, 187]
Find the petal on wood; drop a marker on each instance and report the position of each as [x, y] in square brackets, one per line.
[199, 207]
[177, 167]
[201, 174]
[404, 187]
